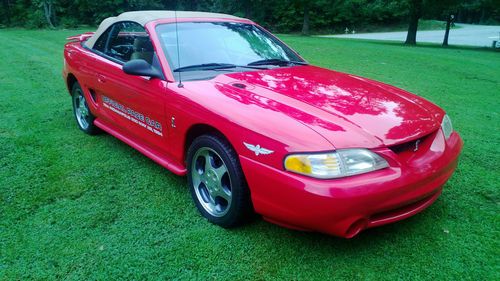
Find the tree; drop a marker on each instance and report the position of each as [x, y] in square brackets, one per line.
[277, 15]
[415, 14]
[305, 25]
[448, 9]
[6, 11]
[49, 12]
[449, 21]
[444, 9]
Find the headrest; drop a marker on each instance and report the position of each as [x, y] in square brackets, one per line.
[143, 44]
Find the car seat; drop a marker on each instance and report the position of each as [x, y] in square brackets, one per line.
[143, 49]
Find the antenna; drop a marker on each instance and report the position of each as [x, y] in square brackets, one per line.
[180, 85]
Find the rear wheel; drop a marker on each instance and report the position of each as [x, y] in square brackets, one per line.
[217, 183]
[83, 116]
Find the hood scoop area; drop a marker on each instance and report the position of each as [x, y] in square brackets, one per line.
[241, 85]
[331, 102]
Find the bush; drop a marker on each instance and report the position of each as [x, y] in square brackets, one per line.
[68, 22]
[36, 19]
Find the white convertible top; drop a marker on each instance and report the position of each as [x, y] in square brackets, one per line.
[143, 17]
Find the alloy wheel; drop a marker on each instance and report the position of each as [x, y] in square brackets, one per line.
[82, 111]
[211, 181]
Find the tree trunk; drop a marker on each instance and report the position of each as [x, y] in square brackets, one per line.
[415, 14]
[247, 8]
[53, 15]
[6, 7]
[483, 16]
[305, 25]
[48, 10]
[447, 32]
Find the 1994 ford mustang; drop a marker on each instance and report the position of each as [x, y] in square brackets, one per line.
[256, 128]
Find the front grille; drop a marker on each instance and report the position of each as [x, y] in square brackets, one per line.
[410, 146]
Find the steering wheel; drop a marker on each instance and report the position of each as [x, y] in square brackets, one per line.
[122, 50]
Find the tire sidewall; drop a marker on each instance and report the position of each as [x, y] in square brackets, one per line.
[239, 190]
[91, 129]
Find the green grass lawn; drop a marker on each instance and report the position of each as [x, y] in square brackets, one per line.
[79, 207]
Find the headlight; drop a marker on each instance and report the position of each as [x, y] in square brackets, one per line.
[446, 126]
[337, 164]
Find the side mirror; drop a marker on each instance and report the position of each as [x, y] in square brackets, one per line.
[141, 67]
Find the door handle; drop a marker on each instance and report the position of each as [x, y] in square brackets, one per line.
[101, 78]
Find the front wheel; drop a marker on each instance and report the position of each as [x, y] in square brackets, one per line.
[217, 183]
[83, 116]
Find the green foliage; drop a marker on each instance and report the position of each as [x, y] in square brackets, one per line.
[36, 19]
[277, 15]
[75, 207]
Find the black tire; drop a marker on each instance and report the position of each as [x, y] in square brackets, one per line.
[240, 208]
[85, 122]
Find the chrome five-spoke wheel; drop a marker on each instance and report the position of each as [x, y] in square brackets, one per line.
[217, 183]
[83, 116]
[211, 181]
[81, 109]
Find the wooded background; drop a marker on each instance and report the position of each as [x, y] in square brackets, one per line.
[286, 16]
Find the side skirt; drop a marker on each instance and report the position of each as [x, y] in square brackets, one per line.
[142, 148]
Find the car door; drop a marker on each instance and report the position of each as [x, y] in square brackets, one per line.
[132, 105]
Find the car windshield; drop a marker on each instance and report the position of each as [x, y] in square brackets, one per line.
[222, 46]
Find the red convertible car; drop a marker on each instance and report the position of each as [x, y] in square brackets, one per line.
[255, 128]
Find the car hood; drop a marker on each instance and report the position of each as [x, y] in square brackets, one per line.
[347, 110]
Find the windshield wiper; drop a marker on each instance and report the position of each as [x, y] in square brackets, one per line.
[277, 62]
[213, 66]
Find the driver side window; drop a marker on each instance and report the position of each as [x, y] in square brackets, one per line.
[125, 41]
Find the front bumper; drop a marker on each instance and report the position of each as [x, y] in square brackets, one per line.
[344, 207]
